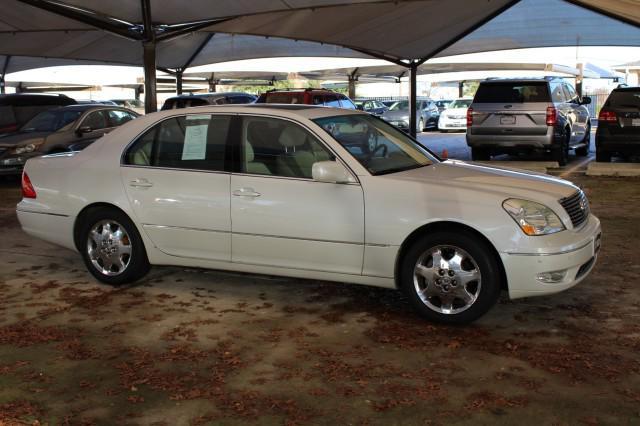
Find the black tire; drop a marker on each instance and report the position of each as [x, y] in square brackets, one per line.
[560, 152]
[487, 289]
[480, 154]
[584, 150]
[602, 156]
[137, 263]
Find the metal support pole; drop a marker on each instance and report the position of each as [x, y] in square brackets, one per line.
[150, 96]
[136, 92]
[179, 82]
[579, 79]
[352, 87]
[5, 67]
[212, 85]
[413, 98]
[461, 89]
[2, 90]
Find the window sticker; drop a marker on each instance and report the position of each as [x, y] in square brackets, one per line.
[195, 138]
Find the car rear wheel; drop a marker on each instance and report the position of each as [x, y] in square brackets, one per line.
[560, 153]
[584, 150]
[480, 154]
[420, 125]
[112, 248]
[451, 278]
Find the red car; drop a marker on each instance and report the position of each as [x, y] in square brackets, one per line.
[307, 97]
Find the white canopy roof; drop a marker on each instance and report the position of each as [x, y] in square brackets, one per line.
[397, 30]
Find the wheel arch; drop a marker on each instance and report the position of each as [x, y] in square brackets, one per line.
[449, 226]
[82, 215]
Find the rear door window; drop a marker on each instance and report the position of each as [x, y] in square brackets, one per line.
[512, 92]
[557, 93]
[195, 141]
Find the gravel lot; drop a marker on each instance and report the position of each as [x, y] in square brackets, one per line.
[192, 347]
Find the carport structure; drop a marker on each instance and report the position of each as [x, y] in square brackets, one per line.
[174, 35]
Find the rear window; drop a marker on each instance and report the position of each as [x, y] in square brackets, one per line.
[624, 99]
[285, 98]
[512, 92]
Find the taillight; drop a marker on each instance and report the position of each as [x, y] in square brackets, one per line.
[607, 116]
[552, 116]
[469, 117]
[27, 189]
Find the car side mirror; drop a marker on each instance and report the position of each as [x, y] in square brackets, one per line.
[586, 100]
[82, 130]
[331, 172]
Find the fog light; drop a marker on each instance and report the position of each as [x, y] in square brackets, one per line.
[552, 277]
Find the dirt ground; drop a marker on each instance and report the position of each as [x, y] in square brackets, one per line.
[192, 347]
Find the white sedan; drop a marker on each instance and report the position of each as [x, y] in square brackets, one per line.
[454, 117]
[310, 192]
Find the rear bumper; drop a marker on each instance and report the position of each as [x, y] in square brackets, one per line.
[51, 227]
[510, 141]
[620, 143]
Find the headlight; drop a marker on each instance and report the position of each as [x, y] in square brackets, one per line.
[533, 218]
[26, 148]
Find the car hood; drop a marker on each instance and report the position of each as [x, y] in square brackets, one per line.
[502, 182]
[396, 115]
[22, 138]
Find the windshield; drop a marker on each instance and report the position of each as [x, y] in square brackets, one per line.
[50, 121]
[378, 146]
[460, 103]
[400, 106]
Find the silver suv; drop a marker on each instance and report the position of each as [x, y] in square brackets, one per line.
[526, 115]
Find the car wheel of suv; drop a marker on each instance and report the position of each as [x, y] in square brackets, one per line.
[420, 125]
[451, 278]
[112, 248]
[480, 154]
[584, 150]
[602, 156]
[560, 153]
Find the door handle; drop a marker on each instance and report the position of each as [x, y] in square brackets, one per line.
[140, 183]
[245, 192]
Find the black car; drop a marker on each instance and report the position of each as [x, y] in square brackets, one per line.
[218, 98]
[371, 106]
[64, 129]
[619, 124]
[16, 109]
[443, 104]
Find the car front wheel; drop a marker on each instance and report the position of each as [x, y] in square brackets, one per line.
[451, 278]
[112, 248]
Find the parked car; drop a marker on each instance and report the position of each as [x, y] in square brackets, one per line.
[218, 98]
[371, 106]
[619, 124]
[16, 109]
[443, 104]
[168, 189]
[306, 96]
[521, 116]
[134, 104]
[64, 129]
[427, 115]
[455, 116]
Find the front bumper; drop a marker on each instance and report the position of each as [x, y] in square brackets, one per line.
[13, 164]
[522, 270]
[451, 123]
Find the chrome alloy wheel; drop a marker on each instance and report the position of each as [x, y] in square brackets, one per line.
[109, 247]
[447, 279]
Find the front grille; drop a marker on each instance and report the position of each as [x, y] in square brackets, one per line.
[577, 207]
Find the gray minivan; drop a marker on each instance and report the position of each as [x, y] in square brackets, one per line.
[527, 115]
